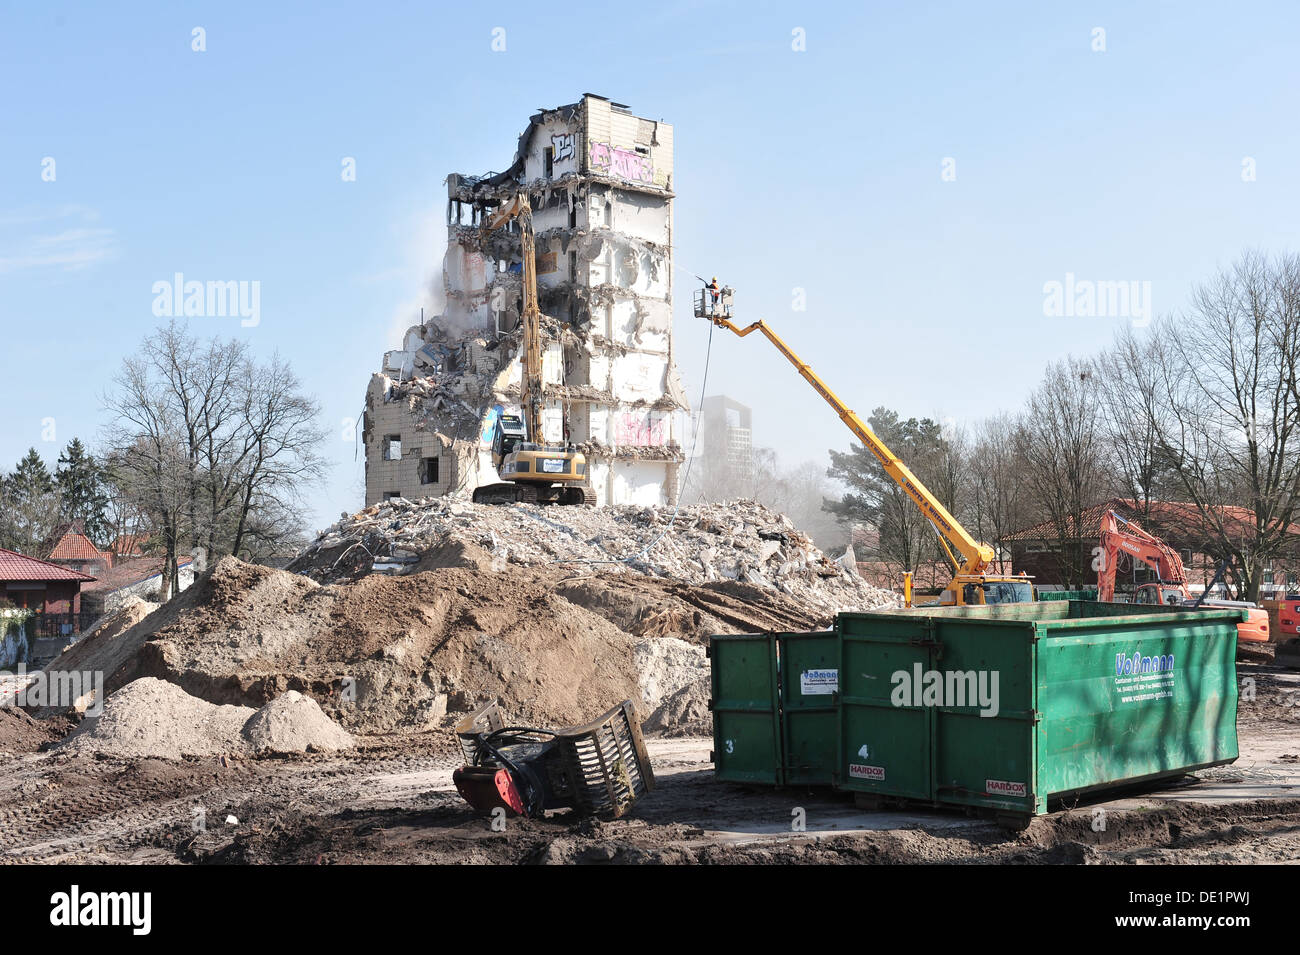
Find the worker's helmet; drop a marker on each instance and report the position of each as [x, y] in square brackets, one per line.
[715, 278]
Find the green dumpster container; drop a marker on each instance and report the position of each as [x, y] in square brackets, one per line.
[775, 707]
[1004, 708]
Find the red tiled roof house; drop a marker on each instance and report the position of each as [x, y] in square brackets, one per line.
[40, 585]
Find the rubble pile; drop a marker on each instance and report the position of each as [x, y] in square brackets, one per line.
[738, 541]
[557, 613]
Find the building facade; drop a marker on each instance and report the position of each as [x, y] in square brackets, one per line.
[599, 180]
[725, 448]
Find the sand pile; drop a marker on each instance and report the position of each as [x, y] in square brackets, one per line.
[684, 713]
[664, 665]
[154, 718]
[293, 723]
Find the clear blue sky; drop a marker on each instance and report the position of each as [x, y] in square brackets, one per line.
[818, 170]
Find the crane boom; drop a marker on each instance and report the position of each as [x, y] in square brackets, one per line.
[971, 583]
[976, 557]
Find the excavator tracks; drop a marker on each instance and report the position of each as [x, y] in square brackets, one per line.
[534, 494]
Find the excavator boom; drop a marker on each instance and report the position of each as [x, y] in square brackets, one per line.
[1119, 534]
[530, 390]
[532, 472]
[1170, 587]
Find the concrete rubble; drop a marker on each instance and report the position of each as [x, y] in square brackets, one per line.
[737, 541]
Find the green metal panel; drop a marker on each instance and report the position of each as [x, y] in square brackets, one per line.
[983, 743]
[1068, 594]
[746, 716]
[1102, 725]
[809, 670]
[1066, 716]
[884, 747]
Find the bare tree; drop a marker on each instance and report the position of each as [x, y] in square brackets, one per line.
[1229, 409]
[213, 447]
[1060, 440]
[146, 462]
[1134, 417]
[998, 503]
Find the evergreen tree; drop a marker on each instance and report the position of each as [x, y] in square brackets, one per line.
[80, 482]
[30, 507]
[874, 499]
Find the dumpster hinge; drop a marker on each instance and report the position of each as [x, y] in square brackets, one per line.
[927, 638]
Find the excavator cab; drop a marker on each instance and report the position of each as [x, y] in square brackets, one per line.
[507, 436]
[998, 590]
[1169, 595]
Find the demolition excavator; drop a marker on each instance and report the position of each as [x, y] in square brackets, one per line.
[1170, 586]
[531, 471]
[971, 584]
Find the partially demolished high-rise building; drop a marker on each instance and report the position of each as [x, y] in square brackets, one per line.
[599, 180]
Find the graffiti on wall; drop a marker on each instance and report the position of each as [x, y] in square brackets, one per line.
[490, 425]
[624, 163]
[563, 145]
[631, 428]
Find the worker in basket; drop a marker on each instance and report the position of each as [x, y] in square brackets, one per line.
[714, 290]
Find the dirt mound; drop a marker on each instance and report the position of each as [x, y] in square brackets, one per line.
[155, 718]
[390, 653]
[20, 733]
[684, 713]
[293, 723]
[516, 604]
[109, 645]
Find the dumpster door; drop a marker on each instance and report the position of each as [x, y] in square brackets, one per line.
[885, 732]
[810, 685]
[746, 714]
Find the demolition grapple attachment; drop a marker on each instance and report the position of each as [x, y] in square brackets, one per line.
[597, 769]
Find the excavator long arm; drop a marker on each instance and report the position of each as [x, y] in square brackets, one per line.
[530, 392]
[1119, 534]
[976, 557]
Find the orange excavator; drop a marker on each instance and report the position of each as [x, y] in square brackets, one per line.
[1170, 586]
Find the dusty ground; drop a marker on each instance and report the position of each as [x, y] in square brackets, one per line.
[392, 801]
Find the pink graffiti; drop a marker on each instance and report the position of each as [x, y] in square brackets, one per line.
[634, 429]
[625, 163]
